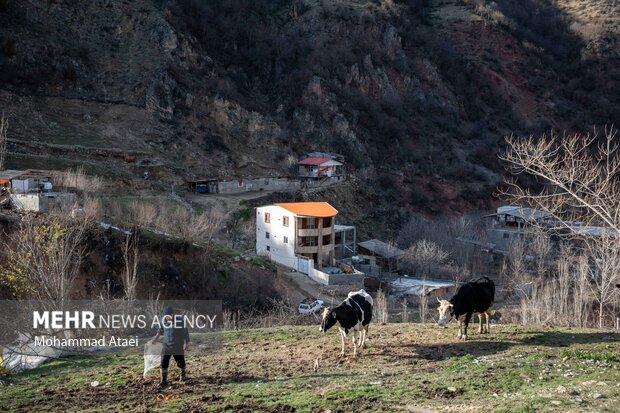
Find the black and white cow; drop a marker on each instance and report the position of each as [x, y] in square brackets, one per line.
[354, 314]
[473, 297]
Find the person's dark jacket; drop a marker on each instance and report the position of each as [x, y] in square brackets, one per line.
[174, 335]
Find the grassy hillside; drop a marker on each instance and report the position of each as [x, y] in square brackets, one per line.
[407, 367]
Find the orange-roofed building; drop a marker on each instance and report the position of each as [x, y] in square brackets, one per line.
[287, 231]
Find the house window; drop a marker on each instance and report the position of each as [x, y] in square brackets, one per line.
[268, 248]
[327, 222]
[286, 240]
[285, 221]
[267, 235]
[310, 223]
[506, 236]
[267, 218]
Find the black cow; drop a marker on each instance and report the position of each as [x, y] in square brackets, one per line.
[354, 314]
[473, 297]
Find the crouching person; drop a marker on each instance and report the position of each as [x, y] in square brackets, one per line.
[175, 342]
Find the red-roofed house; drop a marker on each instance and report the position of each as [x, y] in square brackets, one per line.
[319, 168]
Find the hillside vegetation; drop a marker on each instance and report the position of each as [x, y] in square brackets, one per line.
[418, 94]
[407, 367]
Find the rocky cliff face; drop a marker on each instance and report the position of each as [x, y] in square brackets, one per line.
[416, 94]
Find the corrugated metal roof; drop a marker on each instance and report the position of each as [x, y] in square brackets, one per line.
[594, 231]
[526, 214]
[319, 161]
[310, 209]
[381, 248]
[406, 285]
[201, 180]
[11, 173]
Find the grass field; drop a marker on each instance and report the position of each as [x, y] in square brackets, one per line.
[406, 367]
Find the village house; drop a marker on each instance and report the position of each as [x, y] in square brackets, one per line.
[287, 230]
[379, 254]
[32, 190]
[509, 223]
[301, 236]
[320, 168]
[22, 182]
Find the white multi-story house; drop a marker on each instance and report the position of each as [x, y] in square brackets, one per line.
[287, 231]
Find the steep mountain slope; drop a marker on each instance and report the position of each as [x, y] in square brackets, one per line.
[416, 94]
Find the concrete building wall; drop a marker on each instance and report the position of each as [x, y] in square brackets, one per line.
[29, 202]
[237, 186]
[258, 184]
[60, 201]
[336, 279]
[503, 237]
[51, 201]
[276, 247]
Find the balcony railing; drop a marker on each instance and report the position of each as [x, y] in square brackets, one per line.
[306, 249]
[313, 232]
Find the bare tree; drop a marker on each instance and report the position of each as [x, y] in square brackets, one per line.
[540, 247]
[44, 257]
[423, 256]
[405, 310]
[380, 309]
[581, 195]
[581, 293]
[4, 126]
[140, 214]
[129, 276]
[423, 304]
[191, 227]
[563, 285]
[177, 222]
[77, 179]
[450, 233]
[604, 271]
[241, 229]
[580, 174]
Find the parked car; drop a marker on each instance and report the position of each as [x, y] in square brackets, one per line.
[312, 308]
